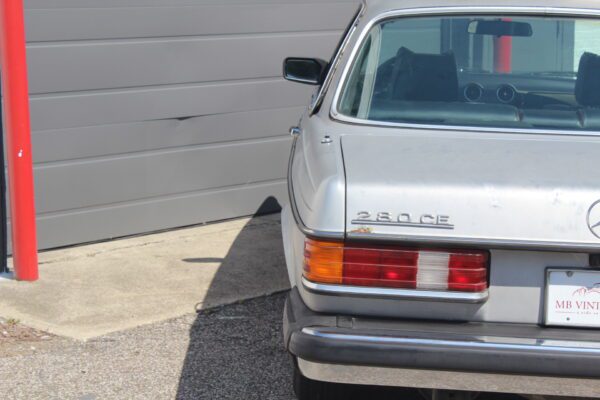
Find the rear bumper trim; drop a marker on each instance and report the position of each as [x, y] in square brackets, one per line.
[556, 346]
[451, 380]
[428, 295]
[443, 345]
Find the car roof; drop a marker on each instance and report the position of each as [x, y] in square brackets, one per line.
[375, 7]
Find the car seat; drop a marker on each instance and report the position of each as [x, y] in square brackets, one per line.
[587, 88]
[424, 77]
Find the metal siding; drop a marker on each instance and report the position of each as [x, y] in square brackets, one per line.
[130, 21]
[150, 62]
[154, 114]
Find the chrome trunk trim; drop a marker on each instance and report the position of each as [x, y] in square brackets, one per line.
[406, 294]
[480, 243]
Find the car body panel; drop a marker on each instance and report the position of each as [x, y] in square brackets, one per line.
[476, 187]
[317, 180]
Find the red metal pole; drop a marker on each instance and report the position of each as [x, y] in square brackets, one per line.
[503, 53]
[18, 139]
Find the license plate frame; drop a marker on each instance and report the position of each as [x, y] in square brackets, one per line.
[575, 303]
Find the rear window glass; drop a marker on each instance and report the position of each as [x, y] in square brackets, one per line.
[494, 71]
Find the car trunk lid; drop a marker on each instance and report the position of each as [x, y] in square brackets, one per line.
[492, 190]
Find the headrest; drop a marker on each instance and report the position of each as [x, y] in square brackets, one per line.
[424, 77]
[587, 88]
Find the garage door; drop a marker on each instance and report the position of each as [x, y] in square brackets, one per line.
[155, 114]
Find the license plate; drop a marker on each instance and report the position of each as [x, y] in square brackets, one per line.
[573, 298]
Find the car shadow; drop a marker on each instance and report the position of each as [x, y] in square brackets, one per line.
[237, 351]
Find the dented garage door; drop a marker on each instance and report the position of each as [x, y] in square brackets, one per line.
[155, 114]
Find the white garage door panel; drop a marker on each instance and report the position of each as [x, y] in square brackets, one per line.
[124, 219]
[153, 174]
[125, 20]
[154, 114]
[160, 102]
[134, 137]
[119, 64]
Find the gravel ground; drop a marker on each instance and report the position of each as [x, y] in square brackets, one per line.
[234, 352]
[16, 339]
[231, 353]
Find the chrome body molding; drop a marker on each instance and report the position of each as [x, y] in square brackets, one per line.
[483, 343]
[403, 294]
[303, 228]
[451, 10]
[320, 95]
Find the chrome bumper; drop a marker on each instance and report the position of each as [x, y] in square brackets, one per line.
[451, 380]
[444, 355]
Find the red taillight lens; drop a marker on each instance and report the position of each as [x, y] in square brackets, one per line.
[394, 267]
[468, 272]
[379, 267]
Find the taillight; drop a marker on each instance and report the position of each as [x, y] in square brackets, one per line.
[395, 267]
[323, 261]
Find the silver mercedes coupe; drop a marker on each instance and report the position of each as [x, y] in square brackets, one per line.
[443, 229]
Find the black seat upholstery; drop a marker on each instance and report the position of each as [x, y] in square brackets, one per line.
[591, 119]
[566, 119]
[424, 77]
[587, 88]
[419, 111]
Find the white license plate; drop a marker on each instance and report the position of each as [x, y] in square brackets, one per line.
[573, 298]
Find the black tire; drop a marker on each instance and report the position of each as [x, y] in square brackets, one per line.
[308, 389]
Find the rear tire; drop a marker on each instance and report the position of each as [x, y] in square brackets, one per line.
[308, 389]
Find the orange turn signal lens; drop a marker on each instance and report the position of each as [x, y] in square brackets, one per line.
[323, 261]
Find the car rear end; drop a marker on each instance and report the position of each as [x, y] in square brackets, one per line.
[431, 294]
[447, 239]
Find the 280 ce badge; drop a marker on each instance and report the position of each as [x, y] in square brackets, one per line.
[435, 221]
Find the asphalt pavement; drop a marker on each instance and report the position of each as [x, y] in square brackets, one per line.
[233, 352]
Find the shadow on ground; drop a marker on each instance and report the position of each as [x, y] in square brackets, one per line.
[237, 352]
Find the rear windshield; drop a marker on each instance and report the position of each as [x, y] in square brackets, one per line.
[495, 71]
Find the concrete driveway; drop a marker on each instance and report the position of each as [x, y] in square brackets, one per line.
[89, 291]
